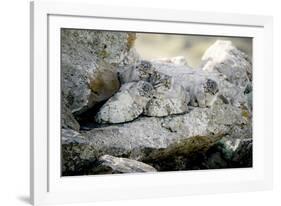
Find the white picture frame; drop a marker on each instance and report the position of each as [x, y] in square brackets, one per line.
[47, 185]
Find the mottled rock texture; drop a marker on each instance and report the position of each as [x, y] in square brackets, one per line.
[89, 65]
[78, 156]
[122, 165]
[158, 115]
[67, 118]
[224, 58]
[134, 138]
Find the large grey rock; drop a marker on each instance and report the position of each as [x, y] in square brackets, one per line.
[78, 155]
[224, 58]
[186, 154]
[132, 58]
[133, 138]
[89, 65]
[238, 154]
[122, 165]
[127, 104]
[67, 118]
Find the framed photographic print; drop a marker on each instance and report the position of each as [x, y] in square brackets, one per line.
[126, 105]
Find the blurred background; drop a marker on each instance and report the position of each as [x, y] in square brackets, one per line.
[192, 47]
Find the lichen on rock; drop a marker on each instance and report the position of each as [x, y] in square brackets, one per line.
[224, 58]
[89, 65]
[122, 165]
[152, 115]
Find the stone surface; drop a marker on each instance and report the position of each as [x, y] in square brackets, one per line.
[78, 156]
[127, 104]
[122, 165]
[67, 118]
[184, 155]
[224, 58]
[133, 138]
[143, 116]
[89, 65]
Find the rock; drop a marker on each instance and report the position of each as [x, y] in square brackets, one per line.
[122, 165]
[224, 58]
[132, 58]
[78, 155]
[89, 65]
[127, 104]
[143, 116]
[132, 139]
[184, 155]
[67, 118]
[230, 143]
[172, 101]
[229, 154]
[215, 160]
[243, 156]
[205, 121]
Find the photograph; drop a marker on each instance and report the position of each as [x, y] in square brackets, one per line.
[136, 102]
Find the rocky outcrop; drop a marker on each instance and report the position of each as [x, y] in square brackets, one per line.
[89, 63]
[147, 116]
[233, 64]
[67, 118]
[134, 138]
[79, 157]
[204, 86]
[183, 155]
[115, 165]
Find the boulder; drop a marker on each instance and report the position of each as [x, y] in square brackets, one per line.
[67, 118]
[114, 165]
[184, 155]
[78, 155]
[89, 65]
[132, 139]
[127, 104]
[232, 63]
[152, 115]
